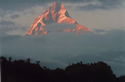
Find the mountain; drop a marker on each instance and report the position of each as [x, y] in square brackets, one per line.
[56, 13]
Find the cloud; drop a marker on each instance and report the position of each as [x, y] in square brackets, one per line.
[19, 5]
[14, 16]
[92, 7]
[6, 26]
[3, 22]
[102, 5]
[55, 27]
[9, 26]
[64, 48]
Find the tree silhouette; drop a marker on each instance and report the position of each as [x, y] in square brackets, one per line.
[37, 62]
[28, 60]
[25, 71]
[10, 59]
[121, 79]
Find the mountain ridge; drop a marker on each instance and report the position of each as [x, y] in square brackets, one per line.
[56, 13]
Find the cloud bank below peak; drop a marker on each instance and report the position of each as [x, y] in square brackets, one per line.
[63, 48]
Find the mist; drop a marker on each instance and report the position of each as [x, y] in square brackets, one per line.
[59, 49]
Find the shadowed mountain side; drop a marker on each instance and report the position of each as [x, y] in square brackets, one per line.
[24, 71]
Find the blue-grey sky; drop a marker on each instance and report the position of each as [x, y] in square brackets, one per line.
[106, 42]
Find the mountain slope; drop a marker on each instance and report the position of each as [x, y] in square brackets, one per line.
[56, 13]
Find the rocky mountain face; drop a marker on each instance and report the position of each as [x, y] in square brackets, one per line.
[56, 13]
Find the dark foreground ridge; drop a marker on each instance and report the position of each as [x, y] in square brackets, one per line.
[24, 71]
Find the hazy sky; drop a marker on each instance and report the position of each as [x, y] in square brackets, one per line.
[106, 42]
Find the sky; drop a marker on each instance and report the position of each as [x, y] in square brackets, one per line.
[106, 42]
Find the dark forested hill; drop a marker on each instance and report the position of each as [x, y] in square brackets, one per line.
[24, 71]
